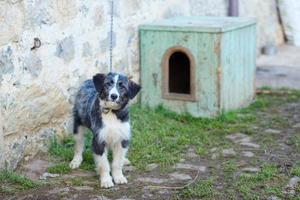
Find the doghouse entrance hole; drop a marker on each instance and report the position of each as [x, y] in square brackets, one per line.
[179, 73]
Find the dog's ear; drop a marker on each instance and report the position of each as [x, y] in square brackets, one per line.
[134, 89]
[98, 80]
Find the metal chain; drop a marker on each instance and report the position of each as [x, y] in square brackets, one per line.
[111, 35]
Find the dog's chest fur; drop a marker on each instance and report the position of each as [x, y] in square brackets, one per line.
[114, 130]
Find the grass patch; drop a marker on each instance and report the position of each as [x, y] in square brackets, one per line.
[61, 168]
[78, 181]
[161, 136]
[12, 182]
[64, 151]
[203, 189]
[261, 185]
[295, 171]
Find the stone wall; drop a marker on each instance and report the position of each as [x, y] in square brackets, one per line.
[269, 29]
[37, 86]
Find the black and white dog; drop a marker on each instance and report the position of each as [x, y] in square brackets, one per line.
[102, 106]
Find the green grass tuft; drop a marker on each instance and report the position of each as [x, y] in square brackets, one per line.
[295, 171]
[264, 181]
[78, 181]
[12, 182]
[64, 151]
[203, 189]
[61, 168]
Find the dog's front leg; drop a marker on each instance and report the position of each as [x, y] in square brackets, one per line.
[79, 148]
[102, 163]
[119, 153]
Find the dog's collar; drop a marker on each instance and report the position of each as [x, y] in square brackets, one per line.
[105, 110]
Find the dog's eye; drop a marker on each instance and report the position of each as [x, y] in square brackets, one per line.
[109, 83]
[121, 84]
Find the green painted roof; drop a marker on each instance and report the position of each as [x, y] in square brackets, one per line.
[199, 24]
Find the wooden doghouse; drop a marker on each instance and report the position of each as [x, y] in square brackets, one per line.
[198, 65]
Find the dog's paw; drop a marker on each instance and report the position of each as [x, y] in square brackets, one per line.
[126, 161]
[75, 163]
[120, 179]
[107, 182]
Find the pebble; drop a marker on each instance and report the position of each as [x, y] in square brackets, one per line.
[274, 198]
[82, 188]
[251, 169]
[228, 152]
[291, 186]
[151, 166]
[214, 156]
[248, 154]
[296, 125]
[179, 176]
[46, 175]
[191, 155]
[250, 144]
[129, 168]
[152, 180]
[236, 137]
[272, 131]
[190, 167]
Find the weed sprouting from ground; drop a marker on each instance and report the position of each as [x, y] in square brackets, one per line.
[12, 182]
[203, 189]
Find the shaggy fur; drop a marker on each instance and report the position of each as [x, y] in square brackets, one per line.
[102, 106]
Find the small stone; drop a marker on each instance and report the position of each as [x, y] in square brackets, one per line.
[181, 177]
[81, 188]
[274, 198]
[59, 190]
[152, 180]
[250, 144]
[164, 191]
[296, 125]
[251, 169]
[236, 137]
[272, 131]
[214, 156]
[242, 163]
[191, 153]
[129, 168]
[248, 154]
[48, 175]
[291, 186]
[190, 167]
[147, 196]
[151, 166]
[228, 152]
[213, 150]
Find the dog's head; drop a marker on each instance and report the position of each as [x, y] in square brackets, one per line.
[115, 90]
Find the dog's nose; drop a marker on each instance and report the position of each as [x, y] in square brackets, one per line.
[113, 96]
